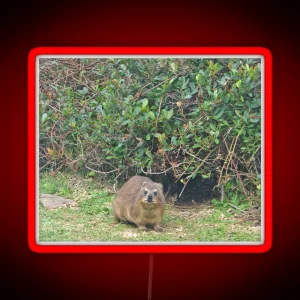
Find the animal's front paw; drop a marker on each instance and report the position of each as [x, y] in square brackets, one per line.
[142, 227]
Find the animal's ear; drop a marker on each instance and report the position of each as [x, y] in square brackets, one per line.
[160, 186]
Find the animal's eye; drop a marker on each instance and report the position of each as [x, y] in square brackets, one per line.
[145, 192]
[155, 193]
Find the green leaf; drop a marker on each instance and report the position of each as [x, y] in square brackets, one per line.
[188, 96]
[200, 79]
[91, 174]
[164, 113]
[194, 175]
[174, 140]
[126, 122]
[254, 120]
[141, 152]
[215, 94]
[150, 163]
[214, 201]
[172, 80]
[137, 111]
[144, 103]
[217, 141]
[196, 146]
[220, 113]
[44, 117]
[170, 114]
[72, 122]
[184, 82]
[123, 67]
[85, 90]
[212, 126]
[151, 115]
[238, 84]
[148, 153]
[174, 67]
[157, 135]
[148, 136]
[206, 175]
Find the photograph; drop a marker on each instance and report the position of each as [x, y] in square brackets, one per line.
[149, 149]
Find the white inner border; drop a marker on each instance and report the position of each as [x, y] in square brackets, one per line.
[261, 57]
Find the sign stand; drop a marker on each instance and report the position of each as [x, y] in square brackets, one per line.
[150, 277]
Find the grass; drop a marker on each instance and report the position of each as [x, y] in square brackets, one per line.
[92, 220]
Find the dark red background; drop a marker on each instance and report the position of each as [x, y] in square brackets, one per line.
[25, 26]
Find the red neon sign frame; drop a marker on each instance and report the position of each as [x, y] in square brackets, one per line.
[265, 246]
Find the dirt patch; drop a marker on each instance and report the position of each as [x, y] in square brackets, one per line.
[192, 211]
[129, 234]
[252, 215]
[242, 229]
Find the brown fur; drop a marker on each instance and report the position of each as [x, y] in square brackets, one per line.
[131, 203]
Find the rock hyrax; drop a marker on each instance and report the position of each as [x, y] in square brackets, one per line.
[140, 201]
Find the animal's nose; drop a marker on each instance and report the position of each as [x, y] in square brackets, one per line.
[150, 198]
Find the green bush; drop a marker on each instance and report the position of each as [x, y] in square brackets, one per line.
[186, 117]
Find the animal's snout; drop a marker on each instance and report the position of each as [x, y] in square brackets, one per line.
[150, 198]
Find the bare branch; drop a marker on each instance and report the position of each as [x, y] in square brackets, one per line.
[161, 172]
[100, 171]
